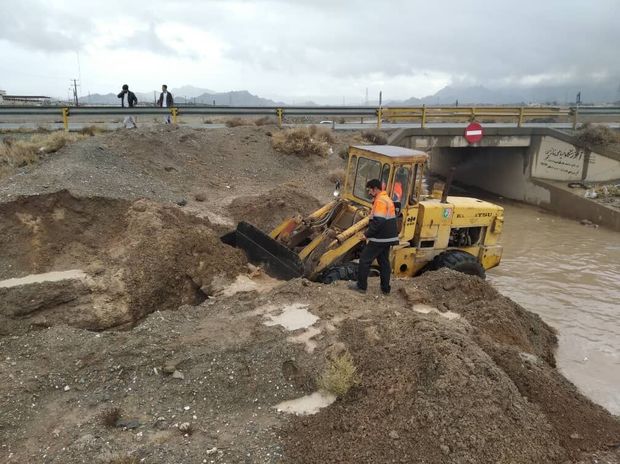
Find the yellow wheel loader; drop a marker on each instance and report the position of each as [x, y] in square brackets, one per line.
[435, 230]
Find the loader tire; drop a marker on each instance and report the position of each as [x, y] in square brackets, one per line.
[459, 261]
[346, 271]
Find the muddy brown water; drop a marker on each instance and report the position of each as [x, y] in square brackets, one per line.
[569, 274]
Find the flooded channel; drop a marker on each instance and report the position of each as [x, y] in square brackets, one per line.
[569, 274]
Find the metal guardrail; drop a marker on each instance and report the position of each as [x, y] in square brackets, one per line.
[422, 113]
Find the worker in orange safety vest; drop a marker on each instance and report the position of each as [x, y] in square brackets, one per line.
[381, 234]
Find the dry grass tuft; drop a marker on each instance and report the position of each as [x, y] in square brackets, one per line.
[340, 375]
[337, 175]
[609, 190]
[321, 133]
[303, 141]
[375, 137]
[110, 417]
[18, 153]
[590, 135]
[235, 122]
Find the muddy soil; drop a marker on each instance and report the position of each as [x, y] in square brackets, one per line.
[450, 371]
[268, 210]
[136, 257]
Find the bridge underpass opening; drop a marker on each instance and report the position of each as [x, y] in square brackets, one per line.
[500, 170]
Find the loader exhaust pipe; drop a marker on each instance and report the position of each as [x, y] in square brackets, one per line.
[446, 188]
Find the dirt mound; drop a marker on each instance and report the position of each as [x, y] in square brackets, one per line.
[433, 387]
[268, 210]
[427, 393]
[496, 318]
[174, 164]
[125, 260]
[450, 371]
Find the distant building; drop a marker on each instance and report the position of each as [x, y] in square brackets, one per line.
[23, 99]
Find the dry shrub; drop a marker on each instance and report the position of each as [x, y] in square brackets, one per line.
[18, 153]
[235, 122]
[608, 190]
[265, 121]
[590, 135]
[337, 175]
[344, 152]
[375, 137]
[321, 133]
[299, 141]
[340, 375]
[110, 417]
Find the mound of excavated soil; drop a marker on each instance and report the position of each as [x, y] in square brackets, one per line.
[436, 386]
[170, 163]
[268, 210]
[443, 389]
[128, 260]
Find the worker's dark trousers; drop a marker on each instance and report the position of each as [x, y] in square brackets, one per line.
[381, 252]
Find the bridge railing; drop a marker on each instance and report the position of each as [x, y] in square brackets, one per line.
[518, 114]
[423, 114]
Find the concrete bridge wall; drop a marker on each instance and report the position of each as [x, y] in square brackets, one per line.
[533, 165]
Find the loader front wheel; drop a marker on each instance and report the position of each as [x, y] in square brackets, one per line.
[346, 271]
[459, 261]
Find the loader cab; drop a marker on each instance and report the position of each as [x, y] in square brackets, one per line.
[400, 171]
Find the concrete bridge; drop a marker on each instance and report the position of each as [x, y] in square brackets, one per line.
[530, 164]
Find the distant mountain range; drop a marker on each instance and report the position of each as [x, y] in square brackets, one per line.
[449, 95]
[552, 95]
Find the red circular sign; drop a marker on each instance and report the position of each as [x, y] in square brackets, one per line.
[473, 132]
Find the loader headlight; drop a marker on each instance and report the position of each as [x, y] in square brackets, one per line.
[337, 189]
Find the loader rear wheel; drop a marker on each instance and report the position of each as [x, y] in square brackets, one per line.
[459, 261]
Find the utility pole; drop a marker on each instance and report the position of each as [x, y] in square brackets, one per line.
[75, 93]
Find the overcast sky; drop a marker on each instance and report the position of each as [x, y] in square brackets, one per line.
[327, 50]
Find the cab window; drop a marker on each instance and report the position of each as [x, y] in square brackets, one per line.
[401, 183]
[385, 176]
[367, 169]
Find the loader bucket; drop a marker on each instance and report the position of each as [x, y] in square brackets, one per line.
[279, 261]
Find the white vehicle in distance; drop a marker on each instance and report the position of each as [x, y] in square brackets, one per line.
[326, 122]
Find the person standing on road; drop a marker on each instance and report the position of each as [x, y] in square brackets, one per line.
[128, 100]
[165, 101]
[381, 235]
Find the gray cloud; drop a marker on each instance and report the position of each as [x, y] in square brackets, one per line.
[148, 40]
[35, 25]
[478, 42]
